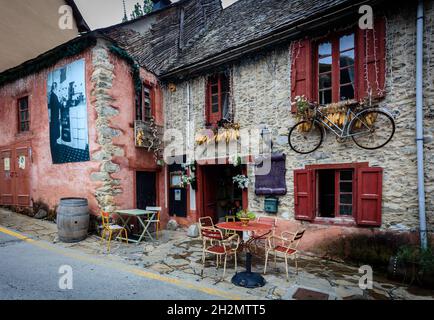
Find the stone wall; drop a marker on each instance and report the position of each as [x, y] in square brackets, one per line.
[262, 97]
[102, 80]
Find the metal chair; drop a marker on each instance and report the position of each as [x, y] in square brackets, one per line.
[156, 219]
[110, 228]
[230, 219]
[261, 238]
[215, 243]
[286, 246]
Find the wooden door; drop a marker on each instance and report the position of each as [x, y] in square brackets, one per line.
[210, 192]
[6, 177]
[15, 175]
[146, 195]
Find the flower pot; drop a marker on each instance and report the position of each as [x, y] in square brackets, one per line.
[244, 221]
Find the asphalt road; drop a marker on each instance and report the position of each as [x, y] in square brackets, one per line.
[30, 270]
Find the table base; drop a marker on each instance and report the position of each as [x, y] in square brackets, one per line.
[248, 280]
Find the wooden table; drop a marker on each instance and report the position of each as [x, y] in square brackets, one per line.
[139, 214]
[248, 279]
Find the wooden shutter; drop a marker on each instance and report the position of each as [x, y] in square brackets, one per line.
[214, 116]
[371, 58]
[303, 193]
[369, 196]
[301, 73]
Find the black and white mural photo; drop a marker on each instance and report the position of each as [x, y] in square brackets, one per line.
[67, 110]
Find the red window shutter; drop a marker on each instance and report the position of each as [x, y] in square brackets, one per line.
[371, 59]
[369, 196]
[301, 72]
[303, 192]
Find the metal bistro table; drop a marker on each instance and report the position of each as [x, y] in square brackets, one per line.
[139, 214]
[248, 279]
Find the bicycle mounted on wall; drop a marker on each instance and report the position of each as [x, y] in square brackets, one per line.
[370, 128]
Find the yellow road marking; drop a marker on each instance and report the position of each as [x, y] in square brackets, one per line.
[126, 268]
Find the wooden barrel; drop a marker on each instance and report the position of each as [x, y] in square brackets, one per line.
[72, 219]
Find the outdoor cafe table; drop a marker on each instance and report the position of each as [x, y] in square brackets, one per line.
[248, 279]
[139, 214]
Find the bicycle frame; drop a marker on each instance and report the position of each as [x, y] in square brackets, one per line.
[341, 133]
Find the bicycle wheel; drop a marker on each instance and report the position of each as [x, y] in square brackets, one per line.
[305, 137]
[372, 129]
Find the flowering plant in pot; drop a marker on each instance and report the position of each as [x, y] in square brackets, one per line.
[245, 216]
[242, 181]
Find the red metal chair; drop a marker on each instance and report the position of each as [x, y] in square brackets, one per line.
[215, 243]
[286, 246]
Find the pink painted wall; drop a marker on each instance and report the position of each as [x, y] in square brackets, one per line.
[51, 182]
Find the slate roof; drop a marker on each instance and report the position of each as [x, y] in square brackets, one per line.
[248, 20]
[157, 47]
[241, 23]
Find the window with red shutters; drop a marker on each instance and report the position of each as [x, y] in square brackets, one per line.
[350, 192]
[303, 192]
[341, 66]
[23, 114]
[369, 196]
[145, 103]
[217, 99]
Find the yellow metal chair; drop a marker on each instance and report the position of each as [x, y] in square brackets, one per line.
[156, 219]
[110, 228]
[230, 219]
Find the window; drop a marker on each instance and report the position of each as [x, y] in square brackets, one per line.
[336, 65]
[217, 103]
[147, 102]
[144, 110]
[343, 66]
[339, 191]
[335, 193]
[23, 115]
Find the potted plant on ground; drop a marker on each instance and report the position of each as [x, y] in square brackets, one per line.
[245, 216]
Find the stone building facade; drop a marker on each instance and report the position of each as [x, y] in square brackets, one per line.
[261, 97]
[192, 50]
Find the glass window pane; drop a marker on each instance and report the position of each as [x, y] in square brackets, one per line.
[325, 96]
[346, 199]
[347, 75]
[347, 92]
[346, 42]
[214, 89]
[325, 81]
[346, 175]
[324, 49]
[346, 210]
[347, 58]
[215, 99]
[346, 187]
[325, 65]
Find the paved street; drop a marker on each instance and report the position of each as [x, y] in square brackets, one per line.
[30, 270]
[170, 268]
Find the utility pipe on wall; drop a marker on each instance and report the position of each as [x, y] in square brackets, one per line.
[419, 125]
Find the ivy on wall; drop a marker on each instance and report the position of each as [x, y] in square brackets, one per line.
[68, 50]
[135, 68]
[47, 60]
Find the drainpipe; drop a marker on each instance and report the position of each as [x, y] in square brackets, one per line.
[419, 125]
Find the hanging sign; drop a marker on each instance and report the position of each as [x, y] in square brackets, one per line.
[7, 164]
[22, 162]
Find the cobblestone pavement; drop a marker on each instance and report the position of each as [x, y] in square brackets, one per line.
[178, 256]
